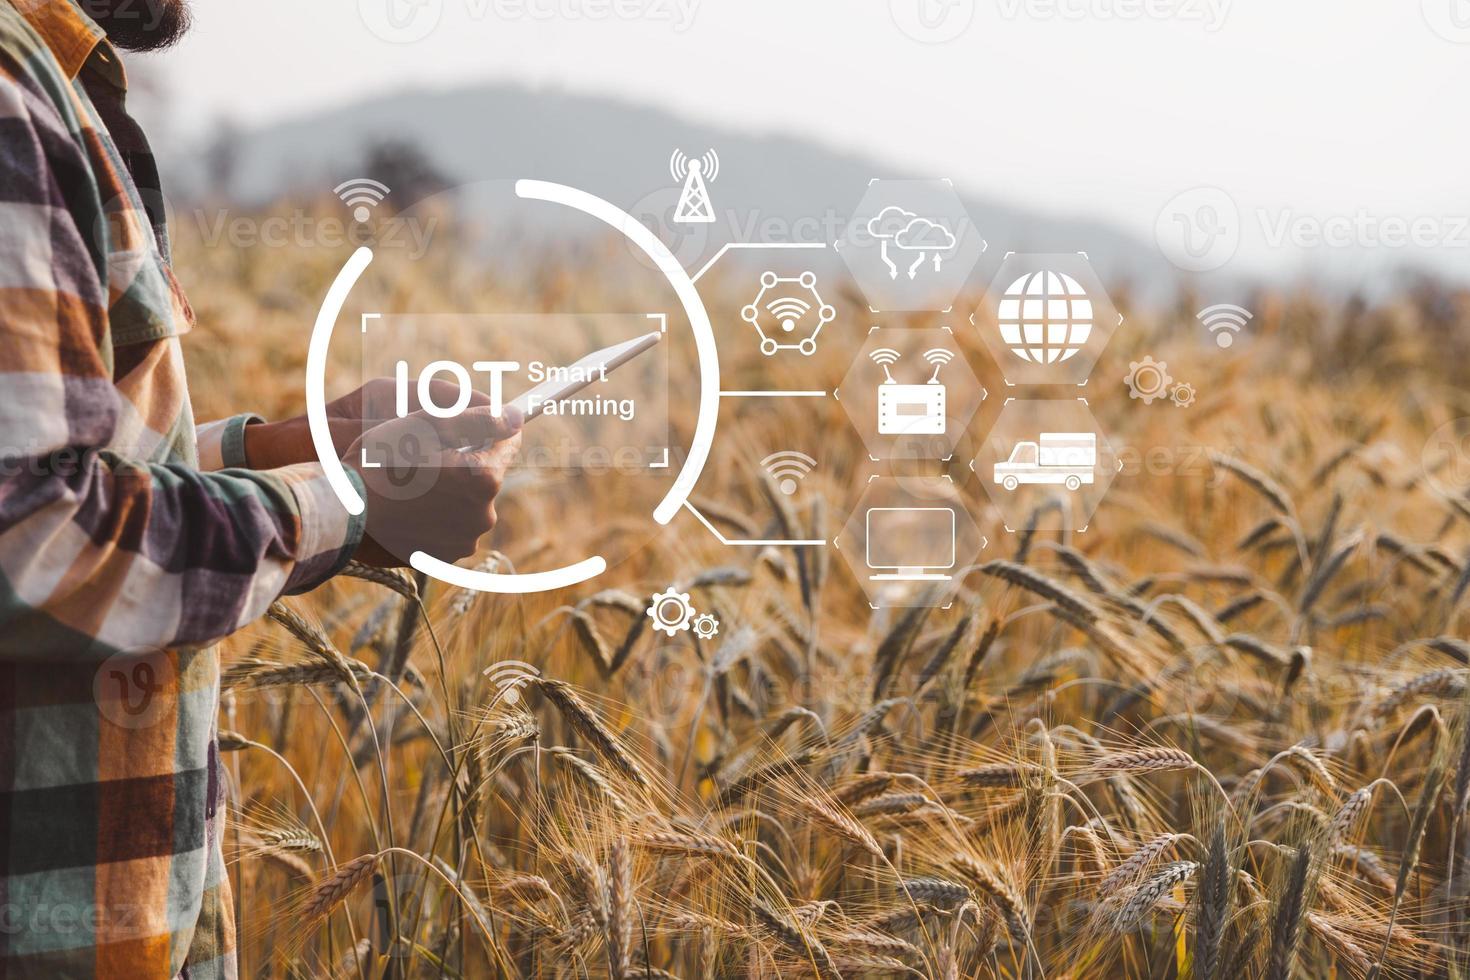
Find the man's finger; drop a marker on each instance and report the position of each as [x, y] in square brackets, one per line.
[474, 427]
[488, 428]
[445, 393]
[497, 456]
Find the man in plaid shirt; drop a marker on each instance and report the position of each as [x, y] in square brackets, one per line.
[130, 539]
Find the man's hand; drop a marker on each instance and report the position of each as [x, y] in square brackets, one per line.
[375, 401]
[432, 496]
[269, 445]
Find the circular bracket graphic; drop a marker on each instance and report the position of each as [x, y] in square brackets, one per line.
[704, 426]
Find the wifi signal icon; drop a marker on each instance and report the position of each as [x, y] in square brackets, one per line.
[1224, 321]
[938, 357]
[508, 677]
[707, 166]
[788, 311]
[883, 357]
[787, 468]
[361, 194]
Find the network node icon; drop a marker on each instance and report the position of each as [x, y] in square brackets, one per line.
[786, 304]
[695, 206]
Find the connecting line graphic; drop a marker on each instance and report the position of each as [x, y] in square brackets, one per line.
[750, 542]
[782, 245]
[729, 245]
[763, 542]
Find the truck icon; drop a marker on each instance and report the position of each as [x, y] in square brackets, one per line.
[1067, 458]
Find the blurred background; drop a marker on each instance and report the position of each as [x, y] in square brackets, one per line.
[1276, 580]
[1321, 128]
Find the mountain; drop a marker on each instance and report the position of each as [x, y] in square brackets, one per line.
[769, 187]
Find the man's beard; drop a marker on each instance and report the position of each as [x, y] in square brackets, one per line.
[140, 25]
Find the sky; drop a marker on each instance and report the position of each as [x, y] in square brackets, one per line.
[1329, 125]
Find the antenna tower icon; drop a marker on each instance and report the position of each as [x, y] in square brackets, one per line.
[694, 205]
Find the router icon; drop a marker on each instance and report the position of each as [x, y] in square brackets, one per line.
[911, 410]
[916, 410]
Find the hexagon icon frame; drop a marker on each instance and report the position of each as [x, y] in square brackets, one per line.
[791, 315]
[1026, 291]
[900, 572]
[899, 420]
[1045, 484]
[895, 245]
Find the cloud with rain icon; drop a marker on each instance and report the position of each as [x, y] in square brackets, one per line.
[908, 232]
[924, 236]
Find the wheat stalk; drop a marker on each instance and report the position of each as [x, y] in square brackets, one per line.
[587, 724]
[388, 578]
[333, 890]
[1143, 897]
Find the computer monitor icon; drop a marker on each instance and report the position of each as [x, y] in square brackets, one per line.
[910, 544]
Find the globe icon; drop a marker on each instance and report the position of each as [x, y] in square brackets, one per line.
[1045, 317]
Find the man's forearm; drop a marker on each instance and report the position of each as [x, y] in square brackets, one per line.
[270, 445]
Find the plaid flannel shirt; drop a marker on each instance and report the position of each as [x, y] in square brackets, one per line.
[127, 543]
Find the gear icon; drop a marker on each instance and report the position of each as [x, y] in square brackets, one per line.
[1183, 394]
[671, 611]
[706, 626]
[1148, 379]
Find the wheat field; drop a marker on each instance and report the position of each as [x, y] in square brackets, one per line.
[1223, 733]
